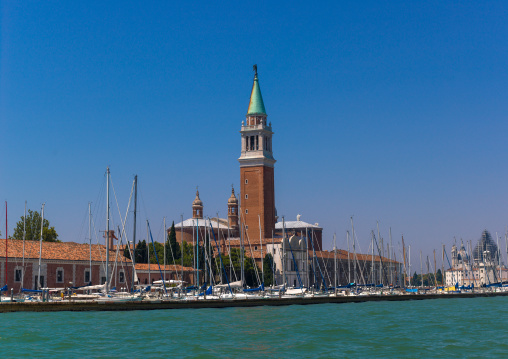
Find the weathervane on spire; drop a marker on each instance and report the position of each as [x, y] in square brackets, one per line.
[255, 68]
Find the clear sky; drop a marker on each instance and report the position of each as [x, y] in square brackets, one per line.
[392, 112]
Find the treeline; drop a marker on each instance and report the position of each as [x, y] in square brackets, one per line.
[428, 279]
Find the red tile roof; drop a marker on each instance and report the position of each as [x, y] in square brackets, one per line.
[70, 251]
[155, 267]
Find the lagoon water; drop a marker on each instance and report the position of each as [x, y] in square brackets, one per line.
[441, 328]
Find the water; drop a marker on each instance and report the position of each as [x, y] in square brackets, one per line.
[473, 328]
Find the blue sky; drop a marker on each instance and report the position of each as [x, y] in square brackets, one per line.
[388, 112]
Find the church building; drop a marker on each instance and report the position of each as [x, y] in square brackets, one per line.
[252, 215]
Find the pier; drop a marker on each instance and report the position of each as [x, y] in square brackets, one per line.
[86, 306]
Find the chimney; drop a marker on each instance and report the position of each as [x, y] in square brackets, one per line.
[111, 237]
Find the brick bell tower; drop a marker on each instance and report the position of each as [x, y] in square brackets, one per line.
[257, 190]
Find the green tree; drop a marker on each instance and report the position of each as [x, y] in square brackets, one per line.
[126, 252]
[439, 277]
[268, 269]
[33, 228]
[172, 247]
[140, 253]
[415, 280]
[249, 267]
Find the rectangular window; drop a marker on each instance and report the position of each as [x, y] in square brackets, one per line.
[17, 277]
[59, 276]
[87, 276]
[103, 280]
[252, 143]
[246, 181]
[39, 284]
[246, 211]
[257, 142]
[246, 196]
[122, 277]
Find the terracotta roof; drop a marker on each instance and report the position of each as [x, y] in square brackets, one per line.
[155, 267]
[342, 254]
[253, 242]
[70, 251]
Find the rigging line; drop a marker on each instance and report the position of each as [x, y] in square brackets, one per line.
[81, 230]
[355, 238]
[252, 255]
[322, 259]
[98, 246]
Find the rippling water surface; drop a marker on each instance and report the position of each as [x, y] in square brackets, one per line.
[475, 328]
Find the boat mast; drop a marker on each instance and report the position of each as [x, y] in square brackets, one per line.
[181, 250]
[107, 231]
[40, 249]
[283, 253]
[261, 248]
[165, 242]
[435, 269]
[404, 256]
[306, 258]
[354, 248]
[24, 238]
[148, 251]
[273, 263]
[335, 261]
[197, 252]
[372, 257]
[90, 237]
[390, 256]
[134, 231]
[421, 267]
[6, 236]
[348, 260]
[380, 254]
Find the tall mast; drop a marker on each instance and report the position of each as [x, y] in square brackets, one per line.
[24, 238]
[6, 236]
[335, 261]
[40, 249]
[306, 255]
[90, 237]
[409, 263]
[372, 257]
[380, 254]
[421, 267]
[442, 268]
[435, 269]
[354, 247]
[165, 240]
[348, 259]
[197, 252]
[148, 251]
[390, 256]
[283, 253]
[134, 231]
[273, 263]
[261, 248]
[404, 256]
[181, 249]
[107, 231]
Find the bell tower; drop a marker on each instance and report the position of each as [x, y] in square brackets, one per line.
[197, 207]
[257, 190]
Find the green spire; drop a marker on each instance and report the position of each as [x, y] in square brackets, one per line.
[256, 105]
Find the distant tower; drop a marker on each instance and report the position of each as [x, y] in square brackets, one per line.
[197, 207]
[455, 260]
[233, 210]
[257, 167]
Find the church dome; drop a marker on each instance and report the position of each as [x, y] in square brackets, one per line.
[486, 244]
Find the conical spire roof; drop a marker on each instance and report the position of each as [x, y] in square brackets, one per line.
[256, 105]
